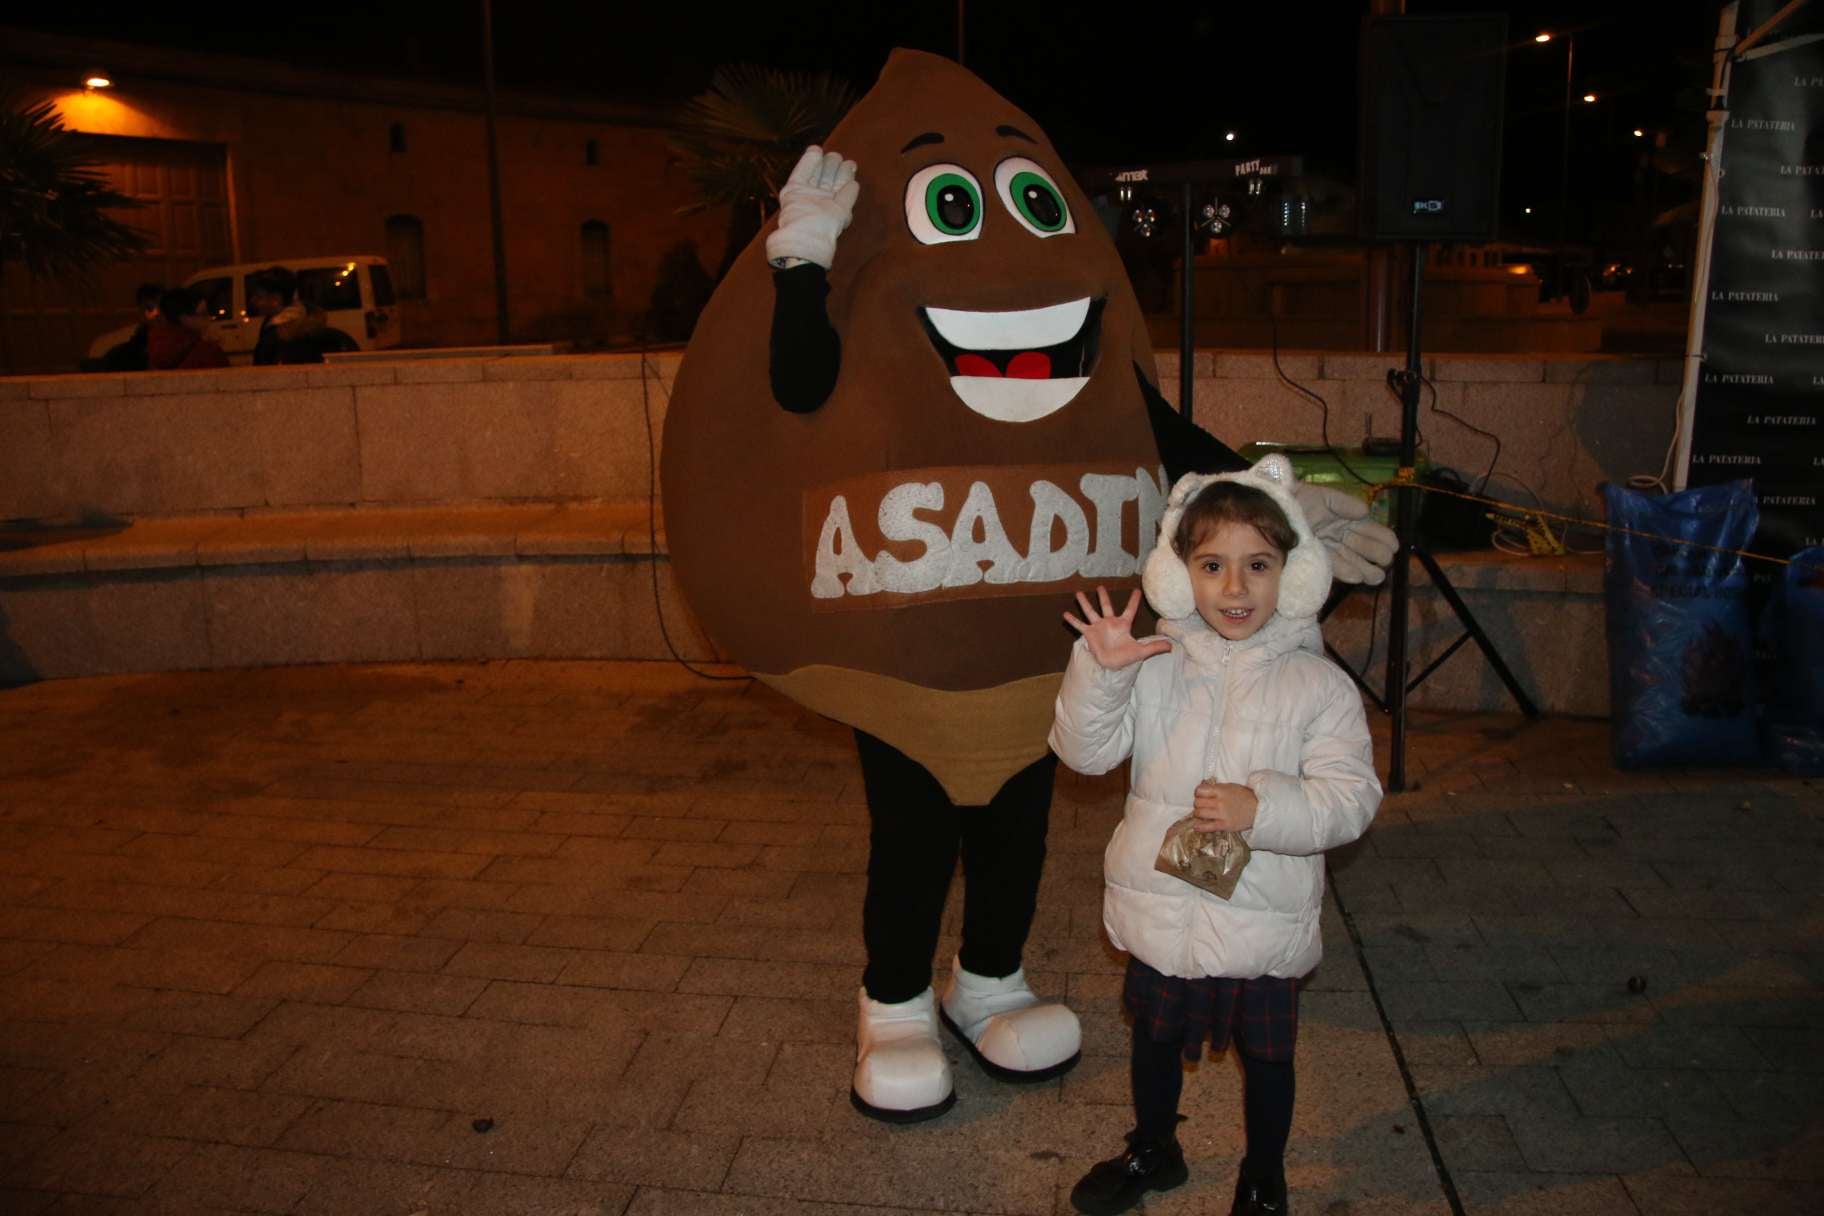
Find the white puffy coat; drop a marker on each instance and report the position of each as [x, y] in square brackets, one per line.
[1270, 712]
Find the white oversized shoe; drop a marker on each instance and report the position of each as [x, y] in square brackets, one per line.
[901, 1075]
[1012, 1034]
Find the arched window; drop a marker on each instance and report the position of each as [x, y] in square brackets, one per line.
[597, 277]
[592, 152]
[405, 252]
[395, 137]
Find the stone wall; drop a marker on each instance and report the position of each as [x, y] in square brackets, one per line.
[416, 431]
[569, 428]
[497, 508]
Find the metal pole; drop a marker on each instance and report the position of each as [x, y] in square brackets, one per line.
[1187, 338]
[1377, 261]
[1405, 522]
[504, 323]
[1564, 151]
[1718, 118]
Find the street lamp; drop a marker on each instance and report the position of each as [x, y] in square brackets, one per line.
[1564, 135]
[1228, 136]
[97, 79]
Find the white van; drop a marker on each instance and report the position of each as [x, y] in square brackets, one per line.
[355, 291]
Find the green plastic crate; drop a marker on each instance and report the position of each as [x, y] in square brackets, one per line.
[1333, 467]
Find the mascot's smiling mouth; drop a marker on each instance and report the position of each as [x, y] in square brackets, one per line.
[1017, 366]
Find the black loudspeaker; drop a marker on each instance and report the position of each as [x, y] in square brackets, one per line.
[1432, 99]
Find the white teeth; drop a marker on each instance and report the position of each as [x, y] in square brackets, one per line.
[1016, 400]
[1027, 329]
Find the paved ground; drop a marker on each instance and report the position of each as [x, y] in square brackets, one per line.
[581, 938]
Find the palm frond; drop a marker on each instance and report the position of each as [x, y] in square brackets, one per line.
[738, 140]
[54, 201]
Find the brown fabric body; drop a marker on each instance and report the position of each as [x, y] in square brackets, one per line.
[741, 476]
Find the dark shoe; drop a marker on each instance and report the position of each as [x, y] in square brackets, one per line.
[1117, 1184]
[1259, 1198]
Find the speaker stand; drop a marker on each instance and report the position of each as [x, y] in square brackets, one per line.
[1406, 516]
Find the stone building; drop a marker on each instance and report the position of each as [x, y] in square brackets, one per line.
[245, 160]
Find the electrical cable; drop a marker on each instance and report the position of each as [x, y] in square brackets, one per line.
[1324, 423]
[652, 529]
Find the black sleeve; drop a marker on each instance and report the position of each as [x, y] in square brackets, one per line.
[806, 352]
[1184, 447]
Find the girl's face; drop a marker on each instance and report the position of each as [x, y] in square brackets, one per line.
[1235, 579]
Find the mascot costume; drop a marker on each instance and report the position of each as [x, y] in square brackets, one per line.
[919, 414]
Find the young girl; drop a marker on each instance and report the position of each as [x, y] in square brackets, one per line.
[1235, 717]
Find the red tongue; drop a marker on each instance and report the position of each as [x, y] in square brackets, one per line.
[1027, 365]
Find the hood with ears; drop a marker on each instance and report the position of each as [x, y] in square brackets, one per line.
[1303, 586]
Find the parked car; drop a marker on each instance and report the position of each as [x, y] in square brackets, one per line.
[355, 291]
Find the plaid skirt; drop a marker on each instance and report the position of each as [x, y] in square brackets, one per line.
[1260, 1014]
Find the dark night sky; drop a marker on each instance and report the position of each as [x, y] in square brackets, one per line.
[1111, 82]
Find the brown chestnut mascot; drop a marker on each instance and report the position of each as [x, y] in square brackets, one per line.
[890, 460]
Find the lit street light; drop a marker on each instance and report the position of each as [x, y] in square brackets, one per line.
[1564, 137]
[1229, 136]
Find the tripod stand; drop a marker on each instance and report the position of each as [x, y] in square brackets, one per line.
[1406, 517]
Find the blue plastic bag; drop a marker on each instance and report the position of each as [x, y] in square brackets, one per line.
[1681, 652]
[1795, 712]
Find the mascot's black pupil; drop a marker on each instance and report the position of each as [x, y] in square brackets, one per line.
[955, 209]
[1043, 206]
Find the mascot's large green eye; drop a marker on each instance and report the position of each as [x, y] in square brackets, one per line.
[1033, 197]
[944, 203]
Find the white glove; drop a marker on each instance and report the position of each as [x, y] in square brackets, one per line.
[1360, 549]
[814, 208]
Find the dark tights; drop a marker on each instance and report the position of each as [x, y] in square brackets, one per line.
[1158, 1081]
[916, 835]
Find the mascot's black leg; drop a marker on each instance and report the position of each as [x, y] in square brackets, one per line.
[988, 1005]
[913, 844]
[901, 1074]
[1003, 857]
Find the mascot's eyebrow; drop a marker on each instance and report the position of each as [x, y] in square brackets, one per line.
[919, 141]
[1004, 129]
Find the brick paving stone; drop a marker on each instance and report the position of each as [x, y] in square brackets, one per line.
[396, 862]
[559, 1005]
[1477, 1142]
[590, 932]
[516, 1144]
[1611, 1002]
[1521, 1193]
[481, 925]
[1793, 1151]
[607, 969]
[397, 953]
[664, 1158]
[197, 1013]
[224, 1063]
[417, 992]
[525, 761]
[260, 1179]
[340, 1188]
[1670, 1193]
[201, 1112]
[1663, 1046]
[304, 982]
[493, 960]
[1538, 1044]
[1611, 1089]
[99, 1162]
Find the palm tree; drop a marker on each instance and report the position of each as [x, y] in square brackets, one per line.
[54, 204]
[738, 141]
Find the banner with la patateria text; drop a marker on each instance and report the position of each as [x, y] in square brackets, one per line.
[1759, 411]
